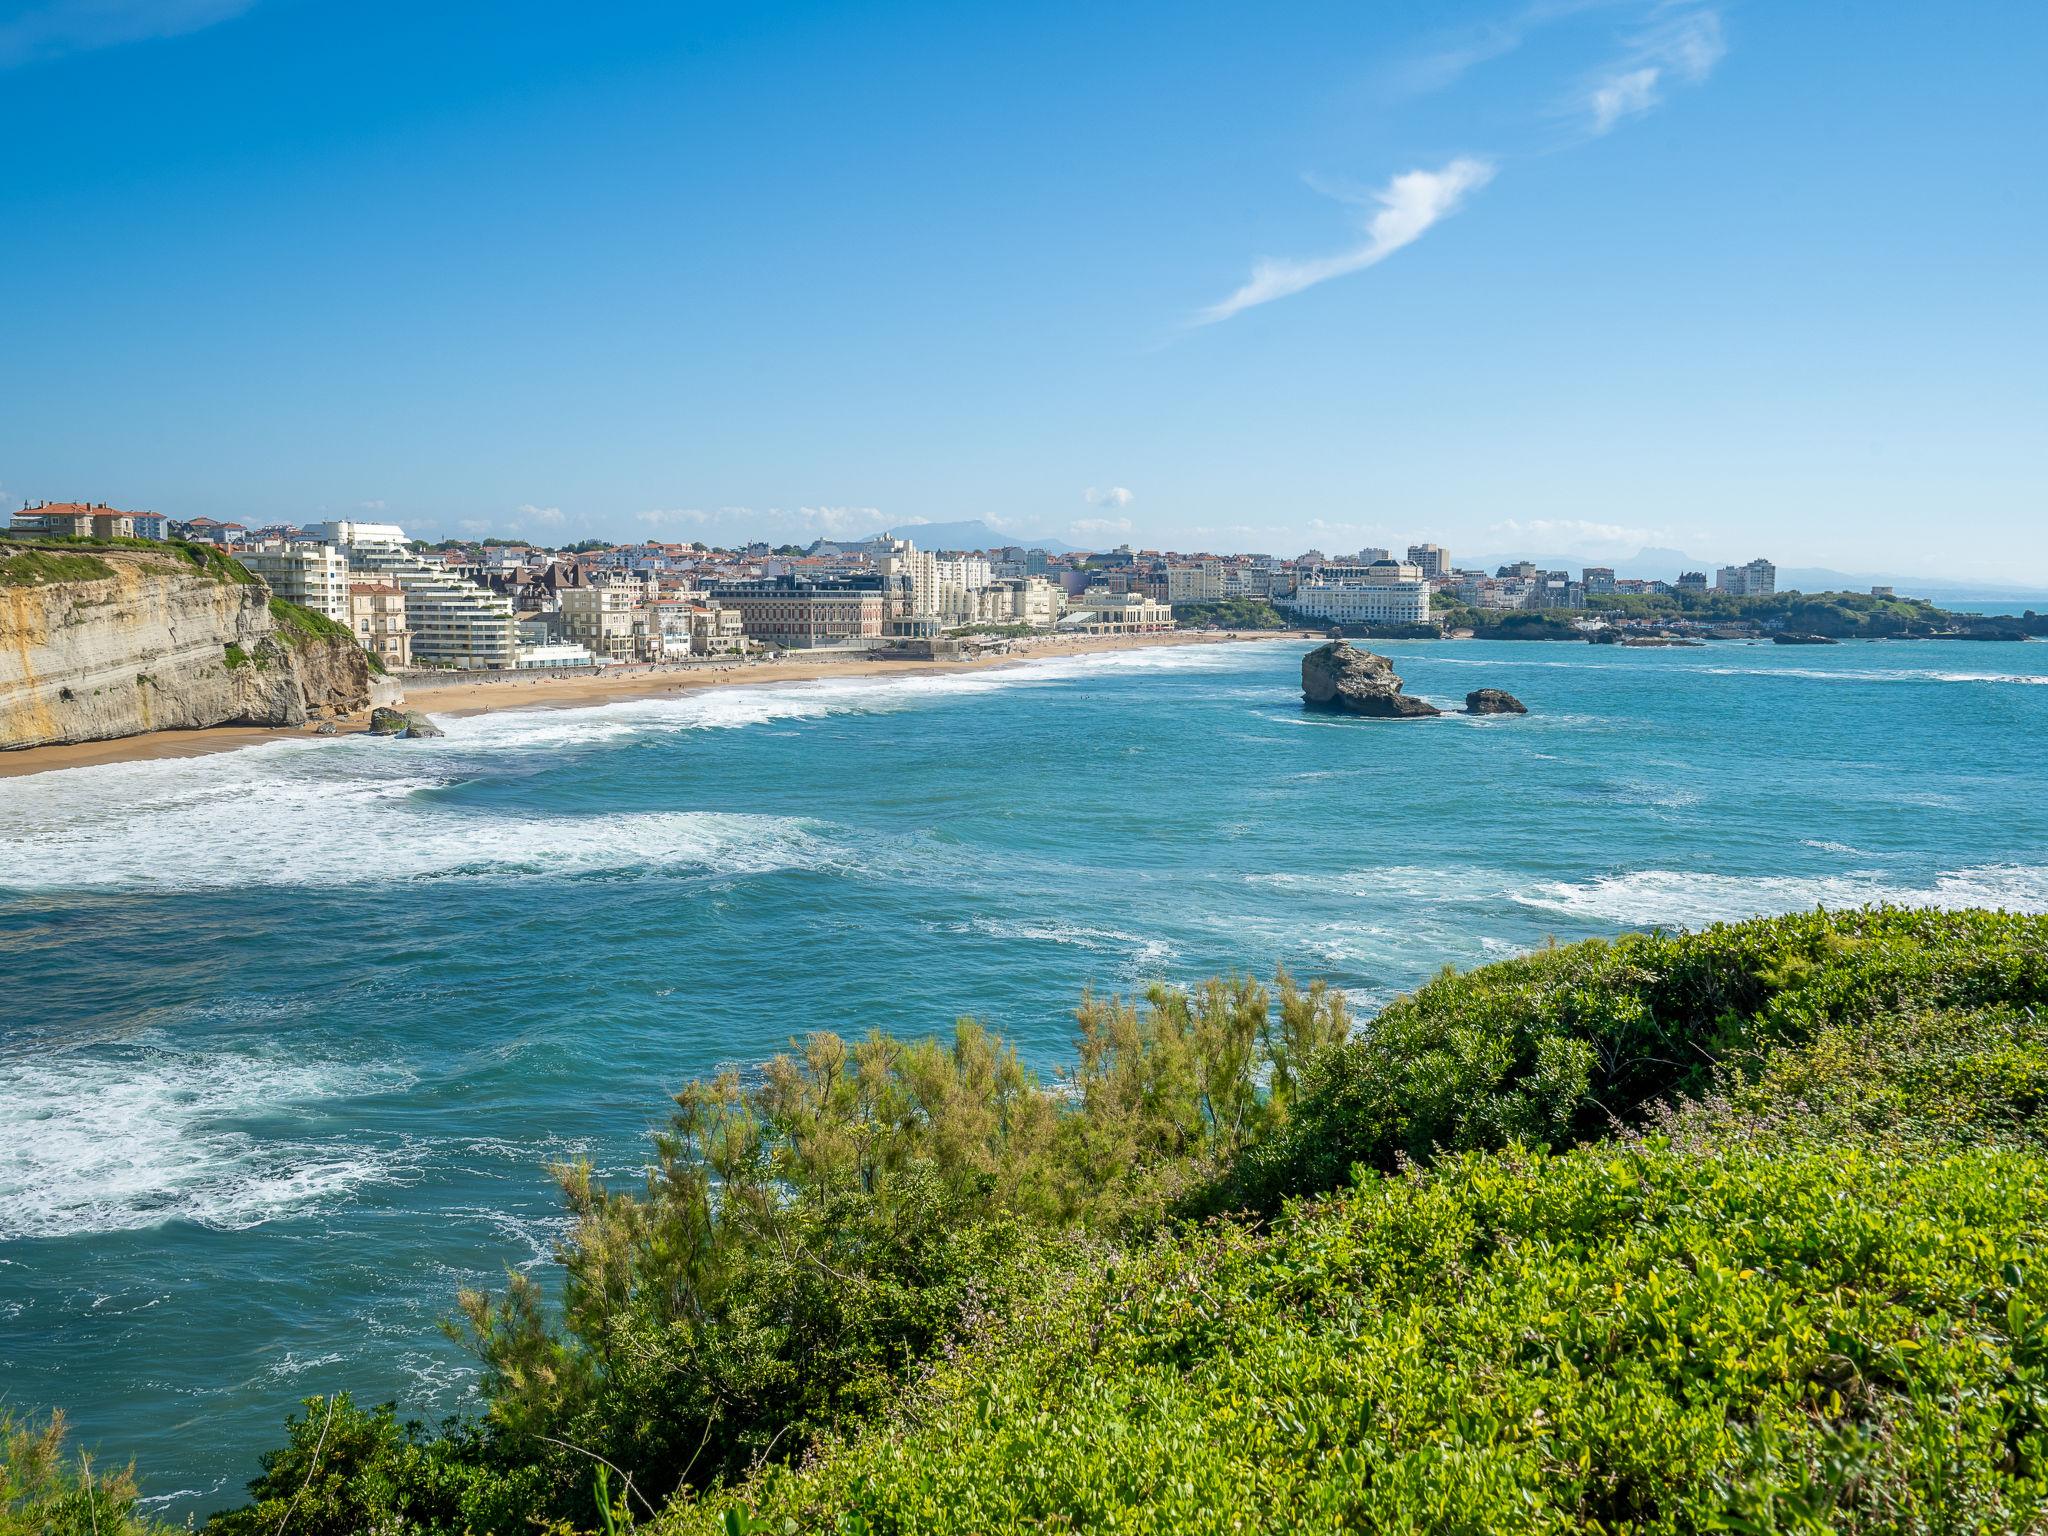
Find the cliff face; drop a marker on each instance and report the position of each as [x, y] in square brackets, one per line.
[103, 643]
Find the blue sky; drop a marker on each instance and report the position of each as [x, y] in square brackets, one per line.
[1733, 278]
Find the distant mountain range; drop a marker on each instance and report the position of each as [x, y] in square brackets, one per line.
[971, 535]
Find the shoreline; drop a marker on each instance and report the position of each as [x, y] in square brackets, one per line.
[490, 693]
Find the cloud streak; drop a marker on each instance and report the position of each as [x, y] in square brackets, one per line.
[1408, 207]
[1682, 45]
[58, 27]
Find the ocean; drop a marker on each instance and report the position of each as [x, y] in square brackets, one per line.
[290, 1034]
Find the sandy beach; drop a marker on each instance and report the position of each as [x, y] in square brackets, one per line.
[484, 693]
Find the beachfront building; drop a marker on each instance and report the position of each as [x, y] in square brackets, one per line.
[376, 617]
[314, 576]
[715, 630]
[454, 622]
[600, 619]
[847, 611]
[1692, 581]
[1384, 592]
[1028, 600]
[1099, 611]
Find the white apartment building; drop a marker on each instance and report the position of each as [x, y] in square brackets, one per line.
[1020, 600]
[1194, 581]
[453, 621]
[1385, 592]
[314, 576]
[919, 569]
[1759, 578]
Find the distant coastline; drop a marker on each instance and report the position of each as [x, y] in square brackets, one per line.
[487, 693]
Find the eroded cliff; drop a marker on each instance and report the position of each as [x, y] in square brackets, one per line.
[98, 643]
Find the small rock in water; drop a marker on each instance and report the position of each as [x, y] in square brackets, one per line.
[1493, 701]
[401, 724]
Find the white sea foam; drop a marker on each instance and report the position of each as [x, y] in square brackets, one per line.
[1143, 954]
[359, 815]
[103, 1139]
[1679, 898]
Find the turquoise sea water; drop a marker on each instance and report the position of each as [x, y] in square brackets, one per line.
[290, 1033]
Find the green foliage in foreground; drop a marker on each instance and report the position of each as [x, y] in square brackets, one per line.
[1565, 1045]
[40, 567]
[1622, 1339]
[45, 1492]
[1232, 613]
[1785, 1268]
[806, 1240]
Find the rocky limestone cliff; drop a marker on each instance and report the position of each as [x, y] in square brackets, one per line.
[1341, 677]
[106, 642]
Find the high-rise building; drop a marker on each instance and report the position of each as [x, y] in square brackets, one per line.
[314, 576]
[1759, 578]
[1433, 560]
[1599, 580]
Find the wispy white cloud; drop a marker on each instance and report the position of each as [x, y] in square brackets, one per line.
[547, 516]
[59, 27]
[1680, 43]
[1098, 527]
[371, 506]
[1577, 533]
[1115, 496]
[1408, 206]
[1466, 49]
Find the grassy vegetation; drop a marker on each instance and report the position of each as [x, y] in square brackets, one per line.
[296, 626]
[236, 657]
[38, 567]
[1739, 1230]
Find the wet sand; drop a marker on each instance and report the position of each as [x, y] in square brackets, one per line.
[488, 692]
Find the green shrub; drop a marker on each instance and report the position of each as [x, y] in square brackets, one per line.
[1232, 613]
[297, 625]
[1564, 1045]
[236, 656]
[803, 1241]
[44, 1492]
[344, 1471]
[1610, 1340]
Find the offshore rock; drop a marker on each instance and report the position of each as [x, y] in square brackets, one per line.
[1493, 701]
[1340, 677]
[401, 724]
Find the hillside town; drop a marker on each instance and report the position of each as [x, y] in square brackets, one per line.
[495, 604]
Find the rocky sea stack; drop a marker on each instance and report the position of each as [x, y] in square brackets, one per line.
[1341, 677]
[401, 724]
[1493, 701]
